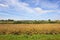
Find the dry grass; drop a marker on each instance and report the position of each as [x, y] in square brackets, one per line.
[29, 28]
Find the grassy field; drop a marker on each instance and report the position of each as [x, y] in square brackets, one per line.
[29, 31]
[29, 28]
[30, 37]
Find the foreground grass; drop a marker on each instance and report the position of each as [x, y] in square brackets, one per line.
[30, 37]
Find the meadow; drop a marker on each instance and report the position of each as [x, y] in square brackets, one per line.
[30, 37]
[29, 31]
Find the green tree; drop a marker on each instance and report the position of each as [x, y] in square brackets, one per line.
[49, 20]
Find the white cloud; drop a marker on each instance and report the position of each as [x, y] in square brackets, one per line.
[18, 10]
[18, 6]
[3, 5]
[39, 10]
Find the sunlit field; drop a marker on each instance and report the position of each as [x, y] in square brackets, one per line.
[29, 28]
[29, 31]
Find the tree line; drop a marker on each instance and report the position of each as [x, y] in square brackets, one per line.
[9, 21]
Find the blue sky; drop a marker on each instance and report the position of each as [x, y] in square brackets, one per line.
[30, 9]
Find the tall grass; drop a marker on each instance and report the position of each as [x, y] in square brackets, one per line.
[29, 29]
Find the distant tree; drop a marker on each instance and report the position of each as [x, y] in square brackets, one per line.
[49, 20]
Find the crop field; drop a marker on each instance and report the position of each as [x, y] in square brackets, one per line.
[29, 28]
[29, 31]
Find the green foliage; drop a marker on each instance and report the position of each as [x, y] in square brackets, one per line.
[9, 21]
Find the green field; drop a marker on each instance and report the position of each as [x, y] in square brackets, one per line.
[30, 37]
